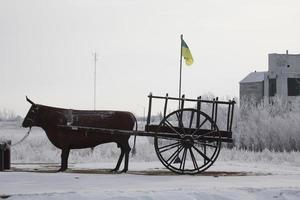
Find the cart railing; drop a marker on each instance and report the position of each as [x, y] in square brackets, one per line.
[215, 103]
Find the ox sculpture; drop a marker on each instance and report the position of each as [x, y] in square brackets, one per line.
[50, 119]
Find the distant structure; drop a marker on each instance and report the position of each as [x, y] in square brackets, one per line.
[282, 79]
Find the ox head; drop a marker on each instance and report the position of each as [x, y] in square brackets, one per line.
[32, 115]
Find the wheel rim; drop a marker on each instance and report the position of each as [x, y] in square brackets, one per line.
[197, 144]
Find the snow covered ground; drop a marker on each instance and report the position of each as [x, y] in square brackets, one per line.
[149, 180]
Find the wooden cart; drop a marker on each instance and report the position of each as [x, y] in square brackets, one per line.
[187, 140]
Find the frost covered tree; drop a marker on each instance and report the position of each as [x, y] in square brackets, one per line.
[274, 126]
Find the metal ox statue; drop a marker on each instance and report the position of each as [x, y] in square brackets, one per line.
[50, 119]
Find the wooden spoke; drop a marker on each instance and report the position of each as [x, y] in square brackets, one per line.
[182, 164]
[199, 127]
[174, 155]
[203, 123]
[202, 154]
[180, 123]
[172, 127]
[192, 118]
[194, 159]
[168, 147]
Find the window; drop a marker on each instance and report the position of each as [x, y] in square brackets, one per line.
[293, 86]
[272, 87]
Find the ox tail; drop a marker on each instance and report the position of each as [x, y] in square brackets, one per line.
[133, 152]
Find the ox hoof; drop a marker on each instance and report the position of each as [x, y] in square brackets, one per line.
[114, 171]
[123, 171]
[62, 170]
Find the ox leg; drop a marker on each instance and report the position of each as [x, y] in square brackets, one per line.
[127, 151]
[119, 160]
[64, 159]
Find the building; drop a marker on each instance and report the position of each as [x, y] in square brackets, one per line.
[282, 79]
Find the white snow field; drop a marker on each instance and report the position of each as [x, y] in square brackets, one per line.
[149, 180]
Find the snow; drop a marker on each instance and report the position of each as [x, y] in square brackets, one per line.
[149, 180]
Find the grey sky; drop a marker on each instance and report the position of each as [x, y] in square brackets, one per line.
[46, 48]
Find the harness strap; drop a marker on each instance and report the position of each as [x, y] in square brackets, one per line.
[25, 136]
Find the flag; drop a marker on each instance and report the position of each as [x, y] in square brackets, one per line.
[186, 53]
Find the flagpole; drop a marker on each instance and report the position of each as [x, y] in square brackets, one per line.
[178, 160]
[180, 73]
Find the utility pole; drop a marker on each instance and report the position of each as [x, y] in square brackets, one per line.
[95, 76]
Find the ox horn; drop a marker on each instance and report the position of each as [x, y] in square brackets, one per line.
[29, 101]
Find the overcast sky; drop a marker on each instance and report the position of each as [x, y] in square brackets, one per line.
[46, 48]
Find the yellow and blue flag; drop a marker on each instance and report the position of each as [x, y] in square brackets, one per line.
[186, 53]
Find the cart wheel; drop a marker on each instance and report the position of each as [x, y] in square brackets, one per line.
[190, 135]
